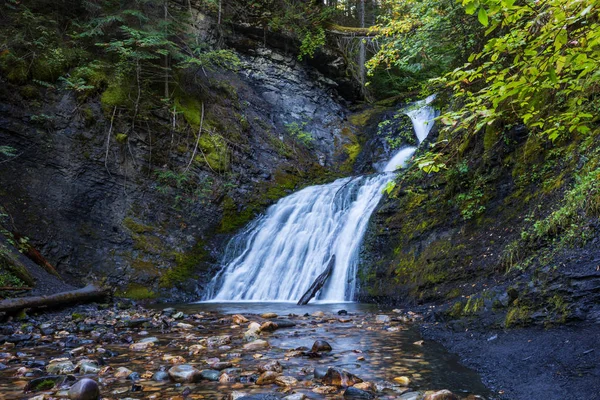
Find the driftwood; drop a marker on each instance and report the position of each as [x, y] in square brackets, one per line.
[86, 294]
[13, 288]
[318, 283]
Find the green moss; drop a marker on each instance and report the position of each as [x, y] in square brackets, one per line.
[517, 316]
[29, 92]
[115, 95]
[490, 138]
[148, 244]
[136, 291]
[46, 384]
[14, 68]
[362, 119]
[77, 316]
[232, 218]
[283, 184]
[121, 138]
[187, 264]
[88, 116]
[190, 107]
[54, 63]
[453, 293]
[214, 152]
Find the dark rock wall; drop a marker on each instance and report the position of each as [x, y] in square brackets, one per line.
[113, 210]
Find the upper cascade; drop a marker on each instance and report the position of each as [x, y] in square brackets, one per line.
[279, 255]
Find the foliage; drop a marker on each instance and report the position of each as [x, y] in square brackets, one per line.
[297, 131]
[420, 40]
[541, 69]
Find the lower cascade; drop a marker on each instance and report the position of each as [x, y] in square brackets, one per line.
[279, 255]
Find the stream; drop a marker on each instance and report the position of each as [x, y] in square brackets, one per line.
[111, 347]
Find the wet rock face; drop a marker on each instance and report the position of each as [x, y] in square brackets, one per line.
[297, 95]
[340, 378]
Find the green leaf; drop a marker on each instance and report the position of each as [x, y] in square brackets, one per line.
[483, 17]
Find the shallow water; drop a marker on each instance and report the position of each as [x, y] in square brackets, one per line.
[375, 352]
[388, 354]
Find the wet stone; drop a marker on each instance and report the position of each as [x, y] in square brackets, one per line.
[210, 374]
[286, 381]
[217, 341]
[184, 373]
[60, 367]
[268, 326]
[269, 315]
[295, 396]
[272, 365]
[354, 393]
[84, 389]
[123, 372]
[320, 346]
[239, 319]
[256, 345]
[267, 377]
[441, 395]
[221, 365]
[160, 376]
[383, 319]
[340, 377]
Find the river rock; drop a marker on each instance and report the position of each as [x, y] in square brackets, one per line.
[141, 346]
[123, 372]
[239, 319]
[318, 314]
[84, 389]
[441, 395]
[383, 319]
[251, 335]
[402, 380]
[60, 367]
[284, 323]
[267, 377]
[227, 378]
[88, 367]
[296, 396]
[354, 393]
[320, 345]
[149, 339]
[254, 326]
[340, 377]
[286, 381]
[160, 376]
[184, 373]
[411, 396]
[269, 315]
[221, 365]
[268, 326]
[217, 341]
[183, 325]
[272, 365]
[325, 389]
[178, 315]
[210, 374]
[256, 345]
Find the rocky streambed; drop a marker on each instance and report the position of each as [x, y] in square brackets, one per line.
[130, 352]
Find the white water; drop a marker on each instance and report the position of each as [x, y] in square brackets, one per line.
[279, 255]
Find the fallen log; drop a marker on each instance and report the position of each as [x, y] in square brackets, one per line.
[13, 288]
[34, 255]
[318, 283]
[87, 294]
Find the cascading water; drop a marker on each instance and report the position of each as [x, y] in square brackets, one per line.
[279, 255]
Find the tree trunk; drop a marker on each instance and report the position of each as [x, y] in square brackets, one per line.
[318, 283]
[87, 294]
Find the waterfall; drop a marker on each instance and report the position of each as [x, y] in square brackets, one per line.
[280, 254]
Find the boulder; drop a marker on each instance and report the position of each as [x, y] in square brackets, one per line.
[84, 389]
[184, 374]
